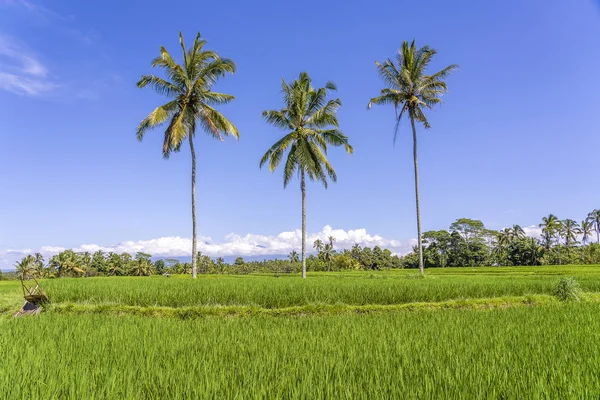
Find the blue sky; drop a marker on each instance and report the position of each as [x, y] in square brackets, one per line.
[516, 138]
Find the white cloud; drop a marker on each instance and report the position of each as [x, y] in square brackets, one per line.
[533, 231]
[21, 72]
[233, 245]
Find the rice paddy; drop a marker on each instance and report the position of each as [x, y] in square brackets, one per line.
[458, 333]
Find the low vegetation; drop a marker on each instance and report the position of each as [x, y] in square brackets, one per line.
[542, 352]
[470, 332]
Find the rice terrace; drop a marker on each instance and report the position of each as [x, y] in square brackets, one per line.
[327, 200]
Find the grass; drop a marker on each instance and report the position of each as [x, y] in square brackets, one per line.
[540, 352]
[459, 333]
[348, 288]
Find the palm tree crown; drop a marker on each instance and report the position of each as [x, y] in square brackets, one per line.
[594, 218]
[189, 85]
[311, 124]
[409, 89]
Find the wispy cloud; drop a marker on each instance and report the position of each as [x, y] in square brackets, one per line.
[21, 71]
[38, 10]
[233, 245]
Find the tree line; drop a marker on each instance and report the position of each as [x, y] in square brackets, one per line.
[69, 263]
[468, 243]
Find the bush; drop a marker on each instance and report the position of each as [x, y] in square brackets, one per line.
[567, 289]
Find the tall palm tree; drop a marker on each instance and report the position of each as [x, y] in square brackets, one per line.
[411, 91]
[569, 230]
[550, 228]
[189, 87]
[594, 218]
[587, 229]
[311, 124]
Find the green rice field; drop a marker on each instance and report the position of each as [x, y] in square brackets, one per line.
[494, 333]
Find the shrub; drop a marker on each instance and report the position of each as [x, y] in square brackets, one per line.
[567, 289]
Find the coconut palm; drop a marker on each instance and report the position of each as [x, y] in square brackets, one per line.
[38, 265]
[587, 230]
[189, 86]
[293, 256]
[516, 232]
[569, 229]
[594, 218]
[327, 254]
[311, 125]
[331, 240]
[411, 91]
[66, 263]
[318, 245]
[142, 265]
[550, 228]
[25, 267]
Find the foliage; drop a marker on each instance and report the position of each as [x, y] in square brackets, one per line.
[567, 289]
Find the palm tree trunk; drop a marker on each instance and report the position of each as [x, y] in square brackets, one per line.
[418, 199]
[303, 189]
[194, 238]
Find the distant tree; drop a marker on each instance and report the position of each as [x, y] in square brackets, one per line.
[239, 261]
[66, 263]
[293, 256]
[142, 266]
[189, 85]
[99, 262]
[114, 264]
[25, 267]
[594, 218]
[160, 266]
[587, 230]
[411, 91]
[550, 228]
[318, 245]
[38, 265]
[328, 253]
[569, 229]
[516, 232]
[331, 240]
[311, 124]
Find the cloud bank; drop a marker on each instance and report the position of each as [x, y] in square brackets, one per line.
[232, 245]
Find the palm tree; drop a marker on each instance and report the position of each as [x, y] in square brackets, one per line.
[411, 91]
[293, 256]
[331, 240]
[318, 245]
[311, 124]
[38, 265]
[550, 227]
[66, 263]
[594, 218]
[142, 265]
[587, 229]
[328, 253]
[569, 230]
[189, 86]
[26, 266]
[516, 232]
